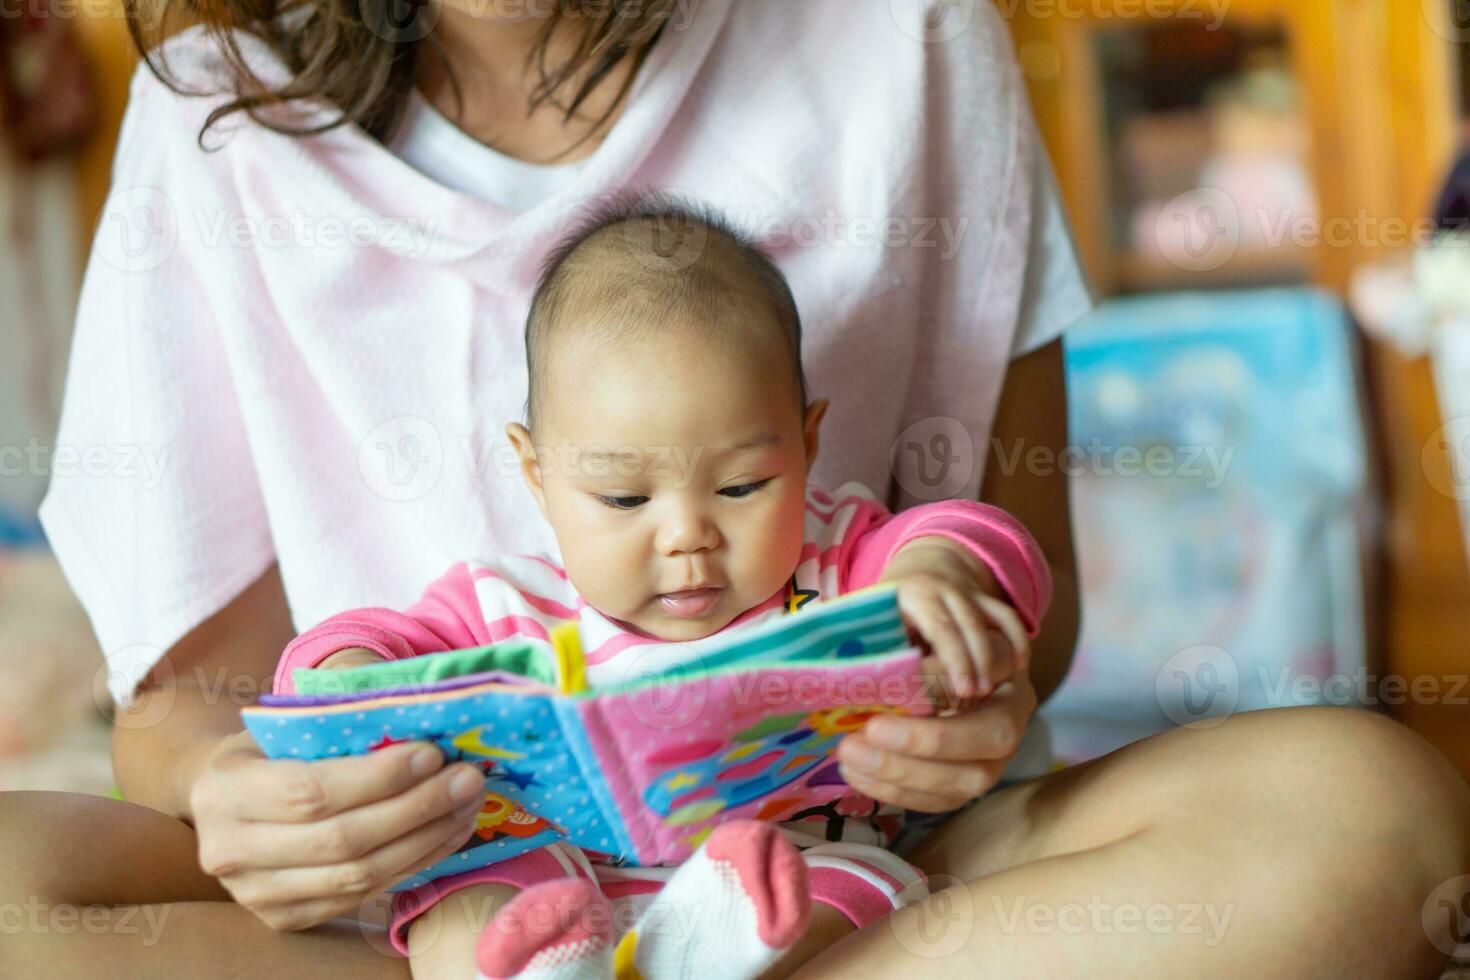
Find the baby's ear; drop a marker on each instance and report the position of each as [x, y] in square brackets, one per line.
[520, 439]
[814, 413]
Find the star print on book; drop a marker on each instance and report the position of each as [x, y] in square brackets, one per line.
[796, 598]
[520, 778]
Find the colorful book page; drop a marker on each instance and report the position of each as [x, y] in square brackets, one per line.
[680, 759]
[510, 733]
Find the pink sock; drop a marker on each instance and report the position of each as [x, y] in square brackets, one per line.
[863, 882]
[729, 911]
[557, 930]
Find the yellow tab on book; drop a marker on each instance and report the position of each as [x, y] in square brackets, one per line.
[571, 665]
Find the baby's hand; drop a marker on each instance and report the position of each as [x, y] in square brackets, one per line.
[352, 657]
[955, 605]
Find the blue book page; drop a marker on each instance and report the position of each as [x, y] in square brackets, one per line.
[535, 791]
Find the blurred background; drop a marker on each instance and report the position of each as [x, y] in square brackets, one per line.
[1270, 409]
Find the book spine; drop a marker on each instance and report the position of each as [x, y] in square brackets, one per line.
[575, 716]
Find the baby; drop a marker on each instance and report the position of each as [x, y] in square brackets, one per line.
[668, 440]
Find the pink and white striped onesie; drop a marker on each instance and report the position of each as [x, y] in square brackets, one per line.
[849, 538]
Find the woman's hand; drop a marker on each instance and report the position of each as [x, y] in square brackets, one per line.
[979, 651]
[940, 763]
[299, 843]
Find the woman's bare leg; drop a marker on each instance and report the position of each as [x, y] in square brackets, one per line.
[91, 886]
[1293, 842]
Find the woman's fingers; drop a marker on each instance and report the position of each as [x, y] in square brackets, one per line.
[248, 786]
[357, 877]
[990, 732]
[346, 836]
[913, 782]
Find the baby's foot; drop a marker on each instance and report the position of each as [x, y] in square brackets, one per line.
[557, 930]
[728, 913]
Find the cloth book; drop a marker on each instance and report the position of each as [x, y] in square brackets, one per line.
[638, 773]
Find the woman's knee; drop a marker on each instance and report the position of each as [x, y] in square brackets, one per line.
[1404, 803]
[82, 849]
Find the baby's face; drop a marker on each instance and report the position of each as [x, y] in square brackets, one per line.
[672, 469]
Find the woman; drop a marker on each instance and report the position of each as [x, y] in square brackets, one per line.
[323, 333]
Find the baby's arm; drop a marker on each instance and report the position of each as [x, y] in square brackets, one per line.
[446, 617]
[352, 657]
[972, 581]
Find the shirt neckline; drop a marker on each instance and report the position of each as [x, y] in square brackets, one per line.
[469, 166]
[452, 226]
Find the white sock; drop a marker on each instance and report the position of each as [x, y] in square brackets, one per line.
[727, 913]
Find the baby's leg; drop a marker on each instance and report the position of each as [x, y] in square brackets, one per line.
[441, 941]
[727, 912]
[438, 924]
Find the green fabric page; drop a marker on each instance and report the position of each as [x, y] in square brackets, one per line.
[511, 656]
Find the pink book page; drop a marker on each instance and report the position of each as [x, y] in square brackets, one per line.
[681, 758]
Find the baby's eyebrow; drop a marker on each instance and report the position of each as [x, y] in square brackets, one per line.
[762, 440]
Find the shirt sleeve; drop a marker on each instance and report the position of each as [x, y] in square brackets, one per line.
[1010, 283]
[1055, 292]
[153, 510]
[993, 536]
[447, 617]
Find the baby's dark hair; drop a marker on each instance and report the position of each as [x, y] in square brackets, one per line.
[636, 261]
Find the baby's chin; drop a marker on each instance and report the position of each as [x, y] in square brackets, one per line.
[652, 621]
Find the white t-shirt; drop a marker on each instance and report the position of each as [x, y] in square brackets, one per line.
[437, 148]
[305, 351]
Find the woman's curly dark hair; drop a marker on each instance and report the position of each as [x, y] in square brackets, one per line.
[359, 55]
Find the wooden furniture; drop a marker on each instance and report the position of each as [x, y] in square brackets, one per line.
[1377, 79]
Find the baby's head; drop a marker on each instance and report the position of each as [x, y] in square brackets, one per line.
[667, 437]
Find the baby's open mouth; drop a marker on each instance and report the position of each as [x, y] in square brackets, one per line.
[690, 603]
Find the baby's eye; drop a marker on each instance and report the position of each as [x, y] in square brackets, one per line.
[622, 503]
[744, 489]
